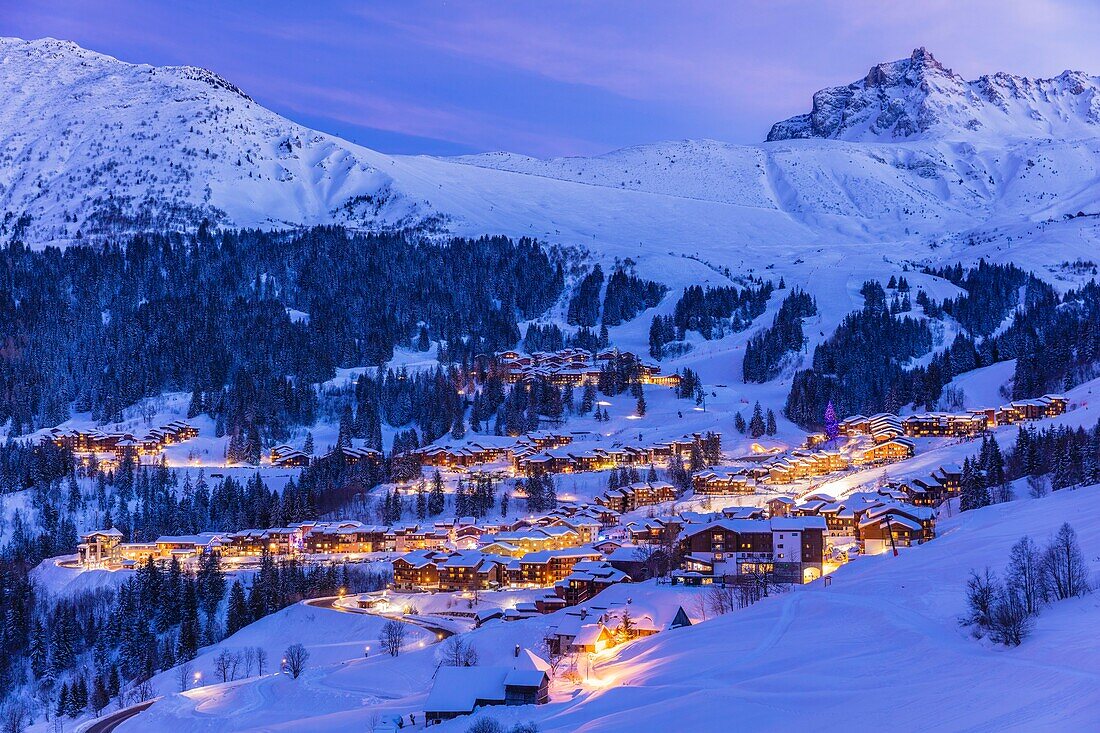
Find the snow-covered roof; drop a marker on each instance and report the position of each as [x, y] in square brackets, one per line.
[458, 689]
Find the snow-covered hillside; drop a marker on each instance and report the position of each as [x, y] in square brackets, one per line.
[89, 144]
[883, 643]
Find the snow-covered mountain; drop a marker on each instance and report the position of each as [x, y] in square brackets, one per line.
[918, 96]
[91, 146]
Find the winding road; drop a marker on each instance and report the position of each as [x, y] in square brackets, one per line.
[329, 603]
[109, 723]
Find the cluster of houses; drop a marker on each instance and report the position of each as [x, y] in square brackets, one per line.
[875, 521]
[121, 445]
[881, 438]
[546, 451]
[566, 460]
[885, 426]
[566, 527]
[472, 570]
[487, 449]
[793, 465]
[594, 459]
[289, 456]
[637, 495]
[588, 628]
[797, 541]
[574, 367]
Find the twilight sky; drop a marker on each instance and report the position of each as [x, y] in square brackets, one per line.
[559, 78]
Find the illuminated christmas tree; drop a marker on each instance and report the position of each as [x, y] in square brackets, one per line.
[832, 425]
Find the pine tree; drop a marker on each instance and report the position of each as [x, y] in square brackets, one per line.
[188, 643]
[421, 501]
[78, 700]
[237, 614]
[39, 649]
[62, 707]
[756, 423]
[100, 697]
[770, 428]
[640, 406]
[307, 446]
[436, 499]
[678, 476]
[739, 423]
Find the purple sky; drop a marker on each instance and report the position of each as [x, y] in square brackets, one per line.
[559, 78]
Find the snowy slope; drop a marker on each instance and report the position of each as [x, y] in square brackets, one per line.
[882, 644]
[92, 145]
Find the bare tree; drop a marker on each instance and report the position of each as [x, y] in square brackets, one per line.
[699, 602]
[226, 665]
[14, 717]
[296, 657]
[143, 691]
[1038, 486]
[721, 599]
[1064, 568]
[1010, 622]
[183, 676]
[248, 657]
[261, 660]
[1025, 573]
[553, 655]
[392, 637]
[458, 653]
[981, 594]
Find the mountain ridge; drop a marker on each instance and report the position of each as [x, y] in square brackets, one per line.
[918, 96]
[92, 148]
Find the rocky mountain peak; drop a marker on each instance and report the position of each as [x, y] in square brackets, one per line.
[920, 97]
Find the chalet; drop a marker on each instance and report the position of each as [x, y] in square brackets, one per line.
[950, 477]
[1050, 405]
[587, 579]
[895, 449]
[416, 571]
[462, 690]
[722, 482]
[591, 638]
[780, 506]
[634, 496]
[100, 548]
[895, 525]
[791, 548]
[639, 562]
[924, 491]
[884, 427]
[938, 424]
[353, 456]
[743, 512]
[462, 571]
[344, 537]
[544, 568]
[290, 458]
